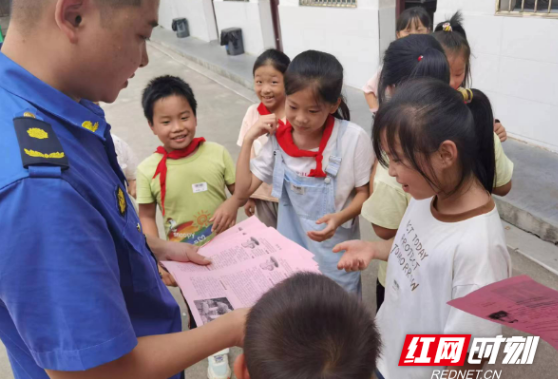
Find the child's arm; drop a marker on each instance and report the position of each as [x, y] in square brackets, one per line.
[358, 254]
[162, 356]
[147, 216]
[335, 220]
[246, 182]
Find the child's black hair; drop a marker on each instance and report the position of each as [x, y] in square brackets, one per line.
[279, 60]
[163, 87]
[309, 327]
[425, 112]
[413, 15]
[418, 55]
[453, 39]
[324, 73]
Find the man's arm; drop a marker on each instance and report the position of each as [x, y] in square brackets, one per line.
[162, 356]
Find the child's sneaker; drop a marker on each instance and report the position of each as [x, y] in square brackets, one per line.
[219, 366]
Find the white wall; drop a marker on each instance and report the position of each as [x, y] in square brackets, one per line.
[199, 14]
[351, 34]
[254, 18]
[515, 61]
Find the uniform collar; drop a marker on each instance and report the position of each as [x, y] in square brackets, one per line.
[21, 83]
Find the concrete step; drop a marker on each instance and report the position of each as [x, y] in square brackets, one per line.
[532, 204]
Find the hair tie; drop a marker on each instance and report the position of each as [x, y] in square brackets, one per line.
[467, 94]
[447, 27]
[420, 58]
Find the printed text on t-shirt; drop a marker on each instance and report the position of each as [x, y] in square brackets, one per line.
[409, 253]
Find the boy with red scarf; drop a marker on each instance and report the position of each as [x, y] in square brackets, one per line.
[186, 178]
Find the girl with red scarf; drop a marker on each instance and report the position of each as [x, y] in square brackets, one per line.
[269, 86]
[317, 162]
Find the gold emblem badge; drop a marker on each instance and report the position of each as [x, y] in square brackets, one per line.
[37, 133]
[121, 201]
[38, 154]
[90, 126]
[29, 114]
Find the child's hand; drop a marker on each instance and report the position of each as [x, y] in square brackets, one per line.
[500, 131]
[250, 208]
[332, 222]
[166, 276]
[184, 252]
[265, 125]
[225, 216]
[357, 256]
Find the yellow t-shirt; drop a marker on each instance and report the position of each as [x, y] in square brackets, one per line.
[388, 203]
[195, 189]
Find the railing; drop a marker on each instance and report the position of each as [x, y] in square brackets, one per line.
[330, 3]
[545, 8]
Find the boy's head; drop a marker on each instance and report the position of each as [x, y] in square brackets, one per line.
[170, 108]
[308, 327]
[85, 48]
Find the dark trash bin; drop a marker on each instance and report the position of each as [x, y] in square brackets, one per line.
[231, 38]
[180, 26]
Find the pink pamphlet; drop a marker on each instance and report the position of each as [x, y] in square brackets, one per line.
[519, 303]
[246, 261]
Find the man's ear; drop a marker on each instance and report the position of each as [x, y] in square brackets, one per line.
[240, 369]
[70, 16]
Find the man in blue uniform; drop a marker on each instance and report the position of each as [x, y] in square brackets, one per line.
[80, 295]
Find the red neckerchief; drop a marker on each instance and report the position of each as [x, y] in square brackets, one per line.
[285, 139]
[162, 167]
[262, 110]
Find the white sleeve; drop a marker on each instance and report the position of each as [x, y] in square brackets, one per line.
[475, 266]
[126, 157]
[262, 165]
[363, 159]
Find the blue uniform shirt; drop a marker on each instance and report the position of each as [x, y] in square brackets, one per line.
[78, 283]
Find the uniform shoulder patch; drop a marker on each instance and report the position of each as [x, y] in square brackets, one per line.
[38, 144]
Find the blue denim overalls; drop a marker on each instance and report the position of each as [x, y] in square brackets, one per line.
[303, 201]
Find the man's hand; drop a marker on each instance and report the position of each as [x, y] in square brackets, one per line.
[332, 221]
[357, 256]
[184, 252]
[225, 216]
[500, 131]
[167, 278]
[250, 208]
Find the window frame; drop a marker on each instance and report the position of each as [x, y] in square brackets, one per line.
[523, 12]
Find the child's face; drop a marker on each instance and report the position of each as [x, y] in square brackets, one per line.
[410, 179]
[414, 27]
[269, 86]
[458, 67]
[174, 122]
[306, 114]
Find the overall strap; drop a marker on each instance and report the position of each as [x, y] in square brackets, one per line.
[278, 169]
[335, 158]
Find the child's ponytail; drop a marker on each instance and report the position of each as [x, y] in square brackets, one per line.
[479, 105]
[343, 112]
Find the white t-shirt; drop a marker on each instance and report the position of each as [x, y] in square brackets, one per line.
[126, 157]
[434, 259]
[357, 158]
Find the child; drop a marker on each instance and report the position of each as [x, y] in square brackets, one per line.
[414, 56]
[451, 240]
[411, 21]
[317, 163]
[186, 178]
[308, 327]
[453, 39]
[269, 86]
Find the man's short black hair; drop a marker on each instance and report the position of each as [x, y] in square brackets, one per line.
[163, 87]
[308, 327]
[27, 12]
